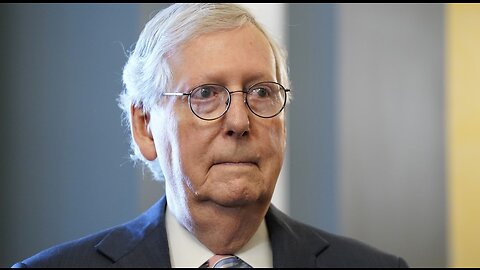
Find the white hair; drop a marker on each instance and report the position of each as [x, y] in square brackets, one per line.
[147, 74]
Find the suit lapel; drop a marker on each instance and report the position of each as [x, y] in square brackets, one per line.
[140, 243]
[291, 246]
[143, 242]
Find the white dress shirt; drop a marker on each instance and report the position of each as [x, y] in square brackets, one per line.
[187, 251]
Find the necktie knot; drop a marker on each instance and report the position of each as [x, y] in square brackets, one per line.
[227, 261]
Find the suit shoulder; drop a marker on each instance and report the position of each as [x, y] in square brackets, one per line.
[338, 250]
[76, 253]
[350, 252]
[108, 247]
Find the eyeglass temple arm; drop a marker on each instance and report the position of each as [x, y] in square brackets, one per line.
[176, 94]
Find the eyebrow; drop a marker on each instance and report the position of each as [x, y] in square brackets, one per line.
[223, 80]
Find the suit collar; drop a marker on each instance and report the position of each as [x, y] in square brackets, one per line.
[141, 242]
[292, 246]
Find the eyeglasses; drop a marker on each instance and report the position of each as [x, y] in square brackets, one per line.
[212, 101]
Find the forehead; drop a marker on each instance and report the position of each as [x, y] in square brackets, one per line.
[240, 54]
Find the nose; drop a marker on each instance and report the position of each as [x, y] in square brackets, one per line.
[237, 122]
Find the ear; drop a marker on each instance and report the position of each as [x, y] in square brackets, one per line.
[141, 133]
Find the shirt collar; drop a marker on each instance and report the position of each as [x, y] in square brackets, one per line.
[257, 252]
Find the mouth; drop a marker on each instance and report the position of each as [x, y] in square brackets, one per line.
[236, 163]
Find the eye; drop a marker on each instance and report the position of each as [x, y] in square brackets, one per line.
[261, 91]
[205, 92]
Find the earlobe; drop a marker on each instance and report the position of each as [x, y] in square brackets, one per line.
[141, 133]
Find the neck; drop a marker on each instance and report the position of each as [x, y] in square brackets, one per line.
[229, 229]
[223, 230]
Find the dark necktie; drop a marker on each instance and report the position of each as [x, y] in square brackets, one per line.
[228, 261]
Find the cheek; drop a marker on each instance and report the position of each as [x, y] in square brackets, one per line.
[277, 137]
[195, 143]
[164, 130]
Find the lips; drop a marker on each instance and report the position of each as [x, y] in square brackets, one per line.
[233, 161]
[236, 164]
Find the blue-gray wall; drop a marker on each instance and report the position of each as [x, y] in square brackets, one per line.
[312, 128]
[65, 167]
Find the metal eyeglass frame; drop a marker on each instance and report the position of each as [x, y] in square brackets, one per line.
[230, 99]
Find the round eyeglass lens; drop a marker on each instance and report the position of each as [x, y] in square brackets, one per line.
[209, 101]
[266, 99]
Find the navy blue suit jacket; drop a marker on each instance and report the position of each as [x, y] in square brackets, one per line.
[143, 243]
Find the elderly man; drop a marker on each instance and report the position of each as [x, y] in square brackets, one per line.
[205, 92]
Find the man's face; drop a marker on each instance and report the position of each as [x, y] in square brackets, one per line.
[234, 160]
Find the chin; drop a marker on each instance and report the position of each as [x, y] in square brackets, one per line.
[234, 202]
[234, 190]
[239, 199]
